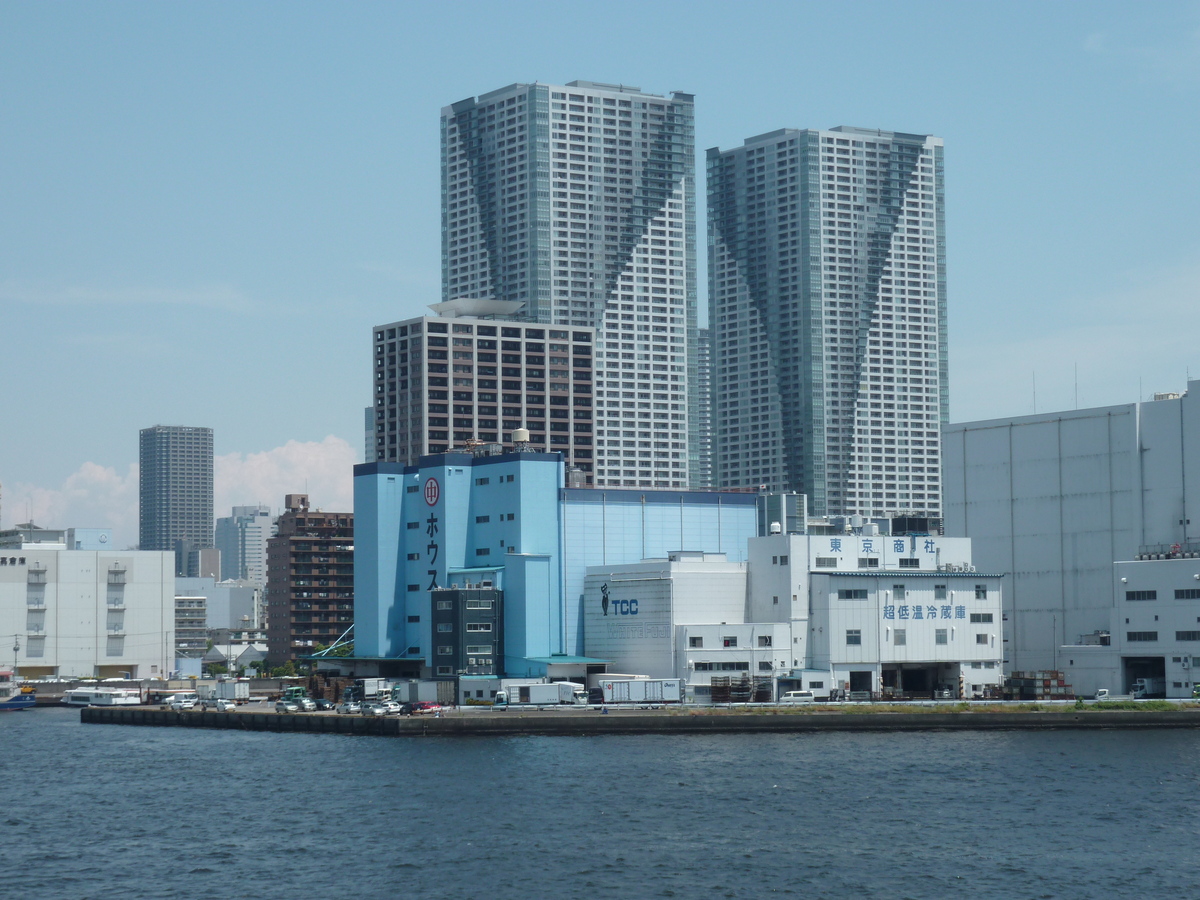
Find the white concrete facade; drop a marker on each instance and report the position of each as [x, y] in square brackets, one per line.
[1155, 633]
[89, 613]
[631, 612]
[882, 613]
[1056, 499]
[890, 615]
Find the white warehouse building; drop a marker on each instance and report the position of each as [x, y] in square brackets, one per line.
[1155, 635]
[86, 612]
[876, 614]
[1058, 500]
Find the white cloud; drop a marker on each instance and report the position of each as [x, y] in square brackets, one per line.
[96, 496]
[93, 496]
[323, 470]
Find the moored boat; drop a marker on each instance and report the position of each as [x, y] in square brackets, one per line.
[101, 697]
[14, 694]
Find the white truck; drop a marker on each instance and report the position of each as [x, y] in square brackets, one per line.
[237, 691]
[643, 691]
[1149, 687]
[370, 688]
[557, 693]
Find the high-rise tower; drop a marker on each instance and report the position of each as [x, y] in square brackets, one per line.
[579, 202]
[827, 293]
[175, 490]
[242, 539]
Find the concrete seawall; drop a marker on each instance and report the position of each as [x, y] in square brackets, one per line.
[639, 722]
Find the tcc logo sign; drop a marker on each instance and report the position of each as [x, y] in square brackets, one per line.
[619, 607]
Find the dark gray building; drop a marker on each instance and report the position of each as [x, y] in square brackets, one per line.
[175, 497]
[468, 630]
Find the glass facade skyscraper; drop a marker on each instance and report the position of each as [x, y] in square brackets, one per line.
[579, 201]
[827, 299]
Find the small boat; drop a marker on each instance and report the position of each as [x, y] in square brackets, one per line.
[102, 697]
[14, 694]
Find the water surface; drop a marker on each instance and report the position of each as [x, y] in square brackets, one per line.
[106, 811]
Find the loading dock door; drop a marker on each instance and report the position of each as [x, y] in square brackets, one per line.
[861, 681]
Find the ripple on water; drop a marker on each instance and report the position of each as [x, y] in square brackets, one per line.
[990, 815]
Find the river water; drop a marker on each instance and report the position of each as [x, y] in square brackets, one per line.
[108, 811]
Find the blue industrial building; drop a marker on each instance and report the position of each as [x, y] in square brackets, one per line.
[505, 522]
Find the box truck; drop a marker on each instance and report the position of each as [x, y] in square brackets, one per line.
[643, 691]
[557, 693]
[1149, 687]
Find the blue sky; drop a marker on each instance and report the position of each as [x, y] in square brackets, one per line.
[205, 207]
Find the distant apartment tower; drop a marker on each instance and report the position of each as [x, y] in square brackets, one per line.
[441, 381]
[827, 287]
[703, 424]
[242, 539]
[578, 201]
[176, 490]
[310, 579]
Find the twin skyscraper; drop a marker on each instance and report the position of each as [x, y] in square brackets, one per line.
[569, 214]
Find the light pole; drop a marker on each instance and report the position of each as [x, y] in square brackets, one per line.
[16, 650]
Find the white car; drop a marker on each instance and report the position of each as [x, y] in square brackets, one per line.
[221, 705]
[181, 703]
[308, 704]
[286, 706]
[350, 708]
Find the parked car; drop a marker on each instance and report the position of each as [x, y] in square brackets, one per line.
[286, 706]
[350, 708]
[220, 705]
[181, 703]
[425, 708]
[391, 707]
[324, 705]
[373, 709]
[406, 709]
[306, 704]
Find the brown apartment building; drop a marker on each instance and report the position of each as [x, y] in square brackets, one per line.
[310, 580]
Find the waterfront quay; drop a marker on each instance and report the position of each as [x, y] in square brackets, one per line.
[469, 722]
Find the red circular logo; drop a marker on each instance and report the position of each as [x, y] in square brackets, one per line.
[432, 492]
